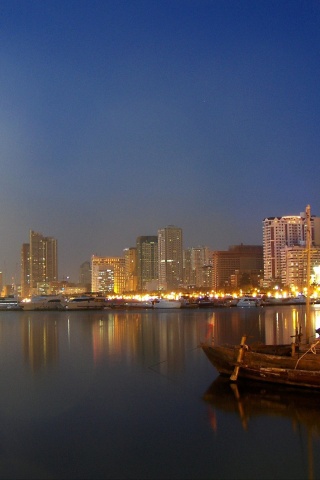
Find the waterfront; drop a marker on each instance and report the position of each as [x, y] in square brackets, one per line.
[128, 394]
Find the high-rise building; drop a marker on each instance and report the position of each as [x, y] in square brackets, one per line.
[294, 265]
[147, 262]
[25, 269]
[196, 261]
[280, 233]
[108, 274]
[130, 260]
[170, 258]
[39, 263]
[85, 274]
[240, 261]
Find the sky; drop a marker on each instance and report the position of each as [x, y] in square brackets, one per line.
[121, 117]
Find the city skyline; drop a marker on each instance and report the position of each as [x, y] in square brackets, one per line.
[77, 268]
[152, 252]
[122, 255]
[118, 118]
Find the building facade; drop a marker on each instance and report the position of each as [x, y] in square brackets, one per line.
[279, 235]
[147, 263]
[108, 275]
[294, 266]
[85, 275]
[239, 262]
[196, 267]
[39, 264]
[130, 260]
[170, 258]
[25, 269]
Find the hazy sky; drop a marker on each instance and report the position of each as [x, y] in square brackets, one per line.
[121, 117]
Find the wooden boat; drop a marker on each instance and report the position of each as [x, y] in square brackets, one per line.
[282, 364]
[295, 364]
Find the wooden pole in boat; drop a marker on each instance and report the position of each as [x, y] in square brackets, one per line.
[241, 353]
[308, 245]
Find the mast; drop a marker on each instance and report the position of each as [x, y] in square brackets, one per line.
[308, 245]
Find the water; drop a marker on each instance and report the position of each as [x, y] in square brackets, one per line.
[128, 394]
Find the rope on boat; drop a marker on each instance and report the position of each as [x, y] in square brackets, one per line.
[312, 349]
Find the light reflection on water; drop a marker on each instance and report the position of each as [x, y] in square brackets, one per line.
[124, 394]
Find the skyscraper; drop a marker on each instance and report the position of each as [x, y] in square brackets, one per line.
[25, 269]
[130, 259]
[39, 263]
[85, 274]
[196, 261]
[170, 257]
[147, 262]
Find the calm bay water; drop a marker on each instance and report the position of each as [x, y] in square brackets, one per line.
[128, 394]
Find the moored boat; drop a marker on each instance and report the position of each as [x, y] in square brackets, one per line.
[206, 302]
[10, 303]
[270, 301]
[166, 303]
[248, 301]
[137, 304]
[86, 302]
[187, 302]
[282, 364]
[44, 302]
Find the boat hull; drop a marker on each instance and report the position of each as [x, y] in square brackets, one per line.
[86, 303]
[166, 304]
[298, 370]
[84, 306]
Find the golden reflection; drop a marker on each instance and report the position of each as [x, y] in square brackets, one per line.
[281, 325]
[40, 342]
[155, 340]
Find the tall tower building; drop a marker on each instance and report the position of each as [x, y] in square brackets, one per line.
[85, 274]
[170, 258]
[25, 269]
[278, 233]
[130, 260]
[147, 262]
[39, 263]
[195, 266]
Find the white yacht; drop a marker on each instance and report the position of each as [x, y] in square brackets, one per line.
[86, 302]
[44, 302]
[248, 302]
[9, 303]
[166, 303]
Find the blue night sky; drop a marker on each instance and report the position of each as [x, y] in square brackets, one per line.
[121, 117]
